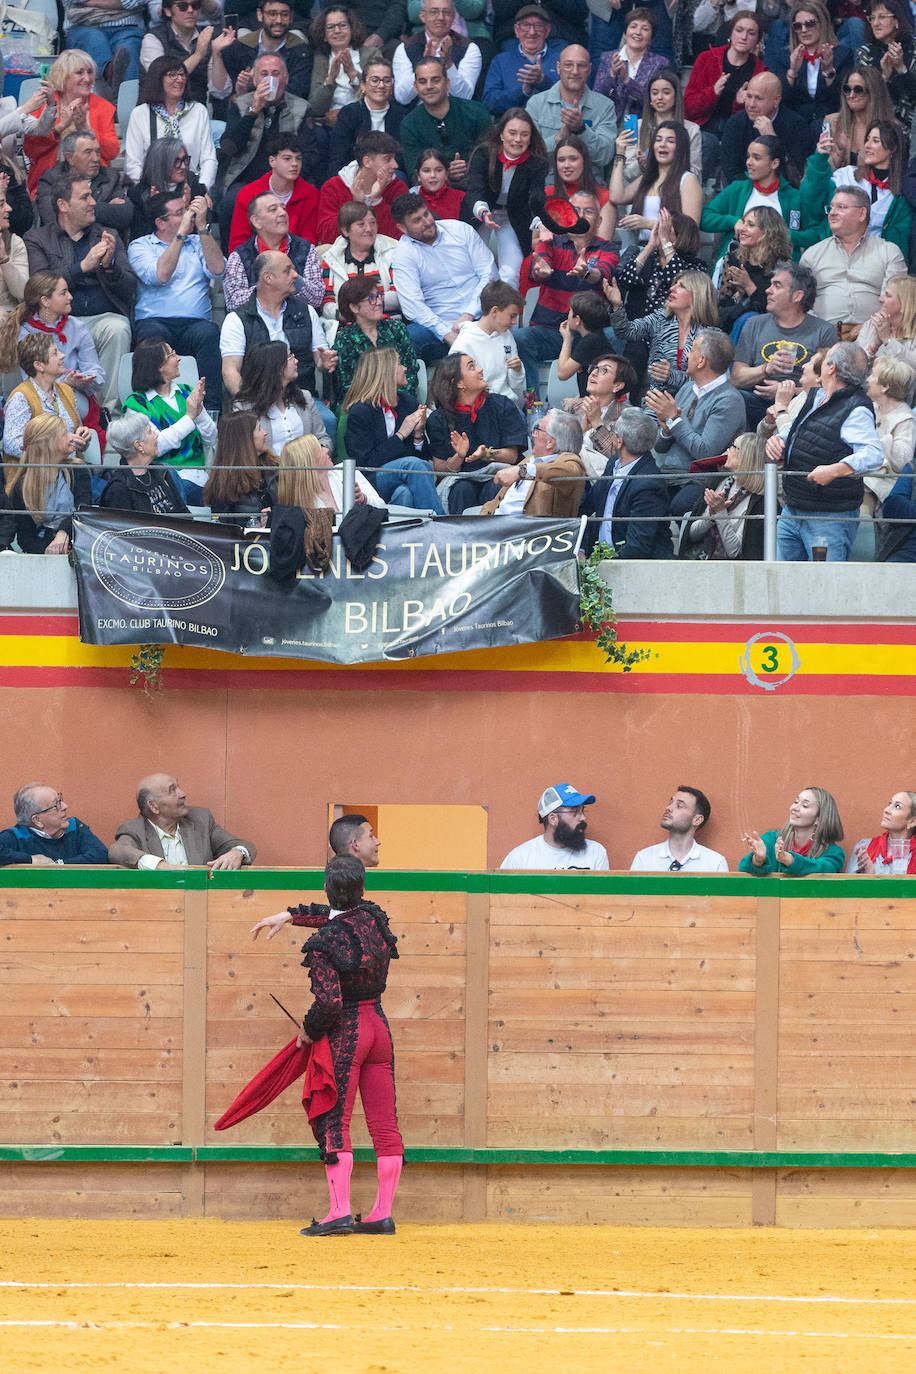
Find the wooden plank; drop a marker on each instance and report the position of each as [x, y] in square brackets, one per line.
[878, 1039]
[578, 1101]
[75, 1095]
[88, 907]
[872, 1136]
[557, 1004]
[89, 1124]
[52, 1062]
[835, 1069]
[600, 910]
[843, 979]
[612, 1197]
[194, 1078]
[621, 941]
[134, 1000]
[766, 1054]
[837, 913]
[400, 1002]
[94, 1205]
[476, 1050]
[617, 975]
[252, 970]
[685, 1070]
[98, 1032]
[598, 1036]
[620, 1132]
[866, 1102]
[127, 937]
[284, 1128]
[441, 939]
[252, 1032]
[82, 970]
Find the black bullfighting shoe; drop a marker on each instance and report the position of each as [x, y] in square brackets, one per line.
[385, 1227]
[337, 1226]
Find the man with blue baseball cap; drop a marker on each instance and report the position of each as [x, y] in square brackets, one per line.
[561, 811]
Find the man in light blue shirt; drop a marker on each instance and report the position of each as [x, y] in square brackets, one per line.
[439, 268]
[175, 266]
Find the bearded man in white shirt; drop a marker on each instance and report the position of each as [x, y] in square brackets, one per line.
[561, 811]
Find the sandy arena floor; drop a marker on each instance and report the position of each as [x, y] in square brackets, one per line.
[226, 1298]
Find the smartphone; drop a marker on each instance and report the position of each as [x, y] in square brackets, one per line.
[231, 21]
[631, 124]
[43, 69]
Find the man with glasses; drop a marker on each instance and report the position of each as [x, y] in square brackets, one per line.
[441, 121]
[461, 58]
[231, 68]
[45, 833]
[177, 36]
[376, 112]
[683, 818]
[551, 480]
[764, 113]
[563, 845]
[526, 65]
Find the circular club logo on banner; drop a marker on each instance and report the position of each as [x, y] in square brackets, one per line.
[168, 570]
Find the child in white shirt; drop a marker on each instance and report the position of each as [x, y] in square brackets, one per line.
[491, 343]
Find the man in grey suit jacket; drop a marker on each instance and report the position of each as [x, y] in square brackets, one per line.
[170, 834]
[707, 414]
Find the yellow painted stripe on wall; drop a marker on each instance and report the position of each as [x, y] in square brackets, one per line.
[706, 658]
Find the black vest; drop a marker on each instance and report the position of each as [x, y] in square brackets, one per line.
[196, 87]
[297, 251]
[296, 326]
[814, 439]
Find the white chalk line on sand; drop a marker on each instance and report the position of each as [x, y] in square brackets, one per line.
[26, 1284]
[463, 1331]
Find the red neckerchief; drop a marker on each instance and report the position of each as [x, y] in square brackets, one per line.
[883, 183]
[439, 197]
[263, 247]
[877, 849]
[680, 360]
[35, 323]
[765, 190]
[511, 161]
[472, 409]
[812, 60]
[802, 849]
[389, 410]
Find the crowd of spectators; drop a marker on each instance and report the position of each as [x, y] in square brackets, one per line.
[168, 833]
[376, 227]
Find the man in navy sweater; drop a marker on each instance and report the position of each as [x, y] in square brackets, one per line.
[45, 834]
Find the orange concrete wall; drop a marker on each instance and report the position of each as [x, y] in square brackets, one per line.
[269, 762]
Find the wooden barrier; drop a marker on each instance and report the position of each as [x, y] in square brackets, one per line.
[626, 1048]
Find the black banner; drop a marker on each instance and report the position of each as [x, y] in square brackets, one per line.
[435, 586]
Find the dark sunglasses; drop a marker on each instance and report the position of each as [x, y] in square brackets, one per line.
[852, 90]
[806, 24]
[187, 4]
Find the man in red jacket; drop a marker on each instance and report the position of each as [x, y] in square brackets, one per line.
[283, 179]
[369, 178]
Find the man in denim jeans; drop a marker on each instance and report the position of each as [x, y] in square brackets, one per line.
[832, 441]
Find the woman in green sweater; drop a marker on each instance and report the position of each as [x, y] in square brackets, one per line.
[806, 844]
[764, 185]
[881, 166]
[177, 412]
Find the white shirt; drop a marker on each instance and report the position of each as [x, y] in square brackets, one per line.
[758, 198]
[537, 853]
[232, 334]
[436, 282]
[657, 858]
[491, 352]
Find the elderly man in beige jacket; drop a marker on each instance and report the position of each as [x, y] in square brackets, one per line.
[551, 480]
[170, 834]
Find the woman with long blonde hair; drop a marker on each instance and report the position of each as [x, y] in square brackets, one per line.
[807, 843]
[814, 65]
[669, 331]
[727, 520]
[44, 488]
[891, 330]
[308, 479]
[761, 241]
[385, 432]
